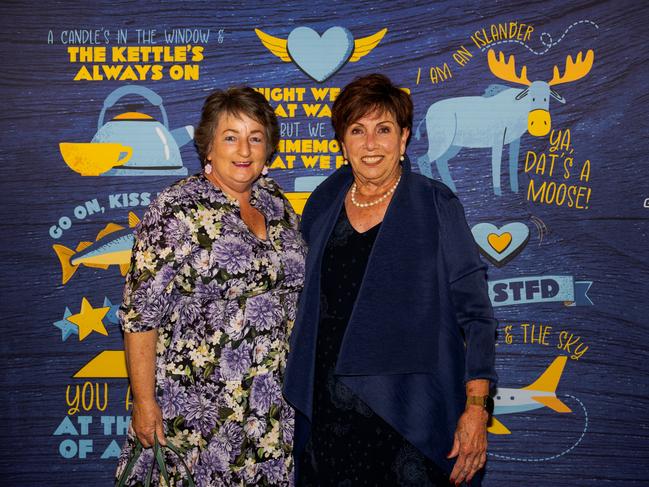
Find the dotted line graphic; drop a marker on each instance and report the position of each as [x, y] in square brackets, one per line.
[553, 457]
[545, 38]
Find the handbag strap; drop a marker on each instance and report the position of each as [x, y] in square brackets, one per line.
[135, 454]
[179, 455]
[158, 458]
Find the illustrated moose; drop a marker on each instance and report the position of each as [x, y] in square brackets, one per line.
[499, 117]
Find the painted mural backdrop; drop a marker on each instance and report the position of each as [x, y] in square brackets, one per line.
[533, 113]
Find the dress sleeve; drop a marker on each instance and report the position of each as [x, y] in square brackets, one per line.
[162, 244]
[467, 280]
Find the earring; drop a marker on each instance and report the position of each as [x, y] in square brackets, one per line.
[402, 158]
[208, 168]
[345, 161]
[264, 171]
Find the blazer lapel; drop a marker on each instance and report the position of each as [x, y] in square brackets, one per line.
[390, 240]
[323, 226]
[299, 378]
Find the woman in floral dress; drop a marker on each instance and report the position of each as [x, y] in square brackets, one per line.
[208, 306]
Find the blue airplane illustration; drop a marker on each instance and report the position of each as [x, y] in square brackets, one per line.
[540, 393]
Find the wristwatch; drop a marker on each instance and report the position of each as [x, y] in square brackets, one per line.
[485, 401]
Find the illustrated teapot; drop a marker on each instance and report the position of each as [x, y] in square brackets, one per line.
[156, 149]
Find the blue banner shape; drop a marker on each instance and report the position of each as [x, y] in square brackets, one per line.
[539, 289]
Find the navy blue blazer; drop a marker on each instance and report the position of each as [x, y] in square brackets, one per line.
[422, 323]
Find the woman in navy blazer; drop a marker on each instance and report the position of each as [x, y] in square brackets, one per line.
[391, 359]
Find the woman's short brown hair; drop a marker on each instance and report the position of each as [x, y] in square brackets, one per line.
[368, 94]
[236, 101]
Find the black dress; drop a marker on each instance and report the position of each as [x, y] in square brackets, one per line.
[349, 444]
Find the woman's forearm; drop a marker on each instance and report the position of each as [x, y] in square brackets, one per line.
[140, 362]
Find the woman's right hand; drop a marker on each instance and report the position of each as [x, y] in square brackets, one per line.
[147, 420]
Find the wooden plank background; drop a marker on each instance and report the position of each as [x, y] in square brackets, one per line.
[607, 243]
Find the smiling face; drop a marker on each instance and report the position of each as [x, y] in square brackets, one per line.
[238, 153]
[373, 145]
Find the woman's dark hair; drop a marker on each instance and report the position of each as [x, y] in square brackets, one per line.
[368, 94]
[236, 101]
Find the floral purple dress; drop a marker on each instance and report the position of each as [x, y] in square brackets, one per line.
[224, 303]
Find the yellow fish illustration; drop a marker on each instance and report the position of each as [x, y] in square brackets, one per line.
[112, 246]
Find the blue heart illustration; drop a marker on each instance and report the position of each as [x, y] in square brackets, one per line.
[320, 57]
[500, 245]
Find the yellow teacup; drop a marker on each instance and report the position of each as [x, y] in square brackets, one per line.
[94, 158]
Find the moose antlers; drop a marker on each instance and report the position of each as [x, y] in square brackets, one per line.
[574, 70]
[506, 70]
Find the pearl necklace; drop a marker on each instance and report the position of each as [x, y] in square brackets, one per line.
[375, 202]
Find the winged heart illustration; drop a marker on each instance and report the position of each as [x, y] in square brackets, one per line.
[320, 56]
[500, 245]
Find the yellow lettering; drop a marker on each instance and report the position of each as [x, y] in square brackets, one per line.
[309, 161]
[325, 162]
[74, 402]
[311, 110]
[319, 93]
[585, 171]
[280, 112]
[532, 195]
[83, 75]
[278, 163]
[118, 54]
[325, 112]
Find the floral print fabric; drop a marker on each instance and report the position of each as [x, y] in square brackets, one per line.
[223, 302]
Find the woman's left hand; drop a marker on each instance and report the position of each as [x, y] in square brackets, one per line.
[469, 444]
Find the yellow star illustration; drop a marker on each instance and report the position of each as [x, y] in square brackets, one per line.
[89, 319]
